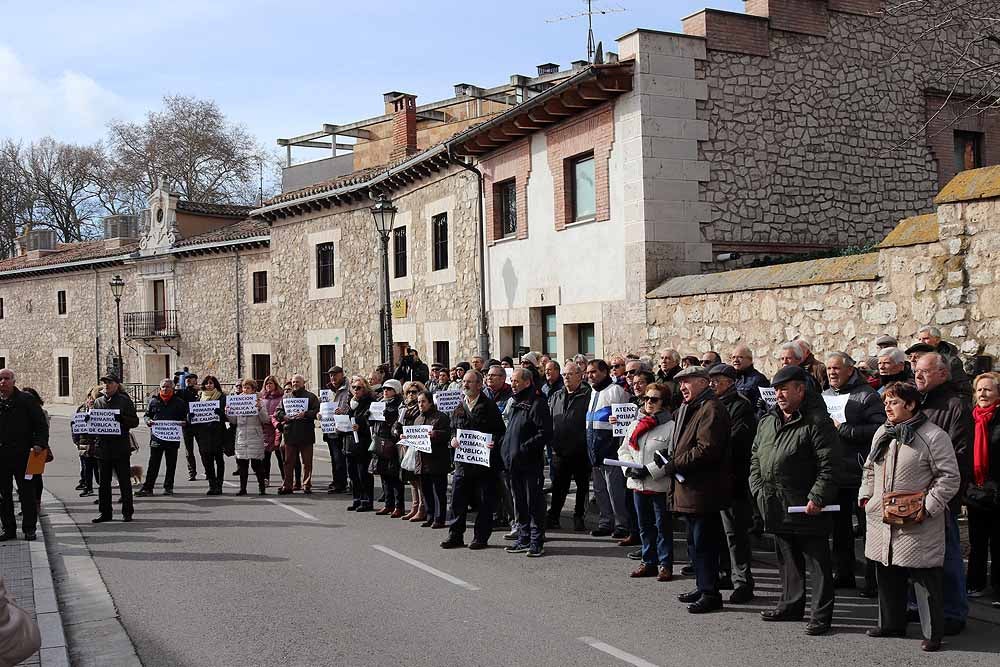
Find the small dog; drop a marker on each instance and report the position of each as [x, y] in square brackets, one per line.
[136, 472]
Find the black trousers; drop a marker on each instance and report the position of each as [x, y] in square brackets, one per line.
[482, 487]
[984, 544]
[362, 481]
[215, 466]
[892, 595]
[243, 467]
[564, 470]
[189, 452]
[704, 543]
[795, 552]
[843, 533]
[119, 468]
[434, 489]
[736, 554]
[157, 454]
[12, 467]
[90, 475]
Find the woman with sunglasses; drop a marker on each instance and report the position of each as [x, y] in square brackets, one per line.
[408, 414]
[358, 456]
[648, 434]
[211, 436]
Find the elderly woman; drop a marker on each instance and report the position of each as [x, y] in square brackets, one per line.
[270, 399]
[651, 487]
[408, 414]
[982, 495]
[433, 466]
[907, 481]
[358, 456]
[86, 445]
[250, 441]
[386, 451]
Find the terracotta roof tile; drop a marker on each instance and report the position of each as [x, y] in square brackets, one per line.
[222, 210]
[243, 229]
[69, 252]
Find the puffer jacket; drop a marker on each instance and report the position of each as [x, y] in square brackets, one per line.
[250, 440]
[438, 461]
[792, 463]
[528, 432]
[600, 443]
[865, 412]
[569, 421]
[650, 442]
[927, 464]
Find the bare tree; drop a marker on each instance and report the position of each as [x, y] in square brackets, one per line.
[61, 179]
[16, 197]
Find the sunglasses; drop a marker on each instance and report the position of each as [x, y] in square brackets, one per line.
[617, 365]
[411, 391]
[358, 387]
[652, 399]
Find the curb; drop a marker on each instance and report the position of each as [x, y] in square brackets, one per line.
[53, 652]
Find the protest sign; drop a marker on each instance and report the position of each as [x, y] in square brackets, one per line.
[203, 412]
[473, 447]
[624, 414]
[325, 395]
[80, 426]
[328, 426]
[326, 411]
[418, 437]
[376, 411]
[242, 405]
[103, 422]
[294, 406]
[343, 423]
[448, 400]
[836, 405]
[769, 395]
[510, 374]
[167, 431]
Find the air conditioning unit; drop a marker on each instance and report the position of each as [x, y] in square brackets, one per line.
[121, 227]
[41, 241]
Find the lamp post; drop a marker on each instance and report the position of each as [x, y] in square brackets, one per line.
[117, 285]
[384, 214]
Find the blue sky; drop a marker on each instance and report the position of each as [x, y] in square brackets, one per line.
[280, 68]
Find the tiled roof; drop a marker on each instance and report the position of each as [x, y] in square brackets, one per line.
[69, 252]
[244, 229]
[222, 210]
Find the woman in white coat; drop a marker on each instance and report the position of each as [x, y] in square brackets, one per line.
[648, 434]
[909, 455]
[250, 441]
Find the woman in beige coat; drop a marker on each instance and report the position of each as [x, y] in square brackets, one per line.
[909, 454]
[250, 442]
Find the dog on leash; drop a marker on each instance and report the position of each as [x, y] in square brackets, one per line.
[136, 472]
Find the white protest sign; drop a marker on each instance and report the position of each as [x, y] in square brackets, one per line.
[242, 405]
[203, 412]
[418, 437]
[376, 411]
[343, 423]
[510, 374]
[473, 447]
[624, 414]
[836, 405]
[167, 431]
[448, 400]
[325, 395]
[328, 426]
[769, 395]
[294, 406]
[103, 422]
[80, 426]
[326, 411]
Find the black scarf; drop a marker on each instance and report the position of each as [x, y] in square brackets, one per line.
[903, 433]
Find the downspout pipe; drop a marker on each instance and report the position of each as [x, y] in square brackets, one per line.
[484, 336]
[239, 320]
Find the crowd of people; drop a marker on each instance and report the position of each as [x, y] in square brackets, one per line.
[886, 449]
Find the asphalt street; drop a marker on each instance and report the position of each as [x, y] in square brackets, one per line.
[297, 580]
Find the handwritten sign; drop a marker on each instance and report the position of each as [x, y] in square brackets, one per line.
[294, 406]
[836, 406]
[418, 437]
[376, 411]
[448, 400]
[103, 422]
[203, 412]
[80, 426]
[473, 447]
[769, 395]
[624, 414]
[325, 395]
[167, 431]
[242, 405]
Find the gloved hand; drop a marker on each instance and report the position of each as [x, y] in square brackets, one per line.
[662, 457]
[636, 473]
[762, 405]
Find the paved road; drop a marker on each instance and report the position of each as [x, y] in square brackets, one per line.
[225, 580]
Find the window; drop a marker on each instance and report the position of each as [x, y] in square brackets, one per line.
[505, 195]
[587, 341]
[442, 353]
[1, 308]
[439, 225]
[517, 342]
[399, 252]
[324, 265]
[260, 365]
[968, 150]
[61, 303]
[549, 335]
[327, 359]
[584, 201]
[260, 286]
[3, 363]
[63, 363]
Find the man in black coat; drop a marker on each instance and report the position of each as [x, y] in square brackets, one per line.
[863, 414]
[189, 393]
[114, 451]
[529, 430]
[476, 413]
[23, 429]
[166, 405]
[737, 520]
[568, 407]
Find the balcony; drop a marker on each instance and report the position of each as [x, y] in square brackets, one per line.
[151, 324]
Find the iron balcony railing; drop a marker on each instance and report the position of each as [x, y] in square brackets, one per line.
[152, 324]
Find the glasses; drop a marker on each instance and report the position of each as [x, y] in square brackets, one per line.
[410, 391]
[652, 399]
[358, 387]
[617, 365]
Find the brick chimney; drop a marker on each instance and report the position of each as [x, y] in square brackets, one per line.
[404, 124]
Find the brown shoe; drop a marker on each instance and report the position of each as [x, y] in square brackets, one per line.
[384, 511]
[396, 514]
[409, 515]
[629, 541]
[419, 517]
[644, 570]
[664, 574]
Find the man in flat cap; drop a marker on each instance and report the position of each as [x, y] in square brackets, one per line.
[885, 340]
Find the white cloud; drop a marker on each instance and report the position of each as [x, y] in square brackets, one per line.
[69, 106]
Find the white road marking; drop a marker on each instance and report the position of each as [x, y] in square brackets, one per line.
[426, 568]
[624, 656]
[304, 515]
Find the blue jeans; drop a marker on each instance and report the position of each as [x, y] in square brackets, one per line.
[956, 602]
[337, 460]
[656, 529]
[704, 537]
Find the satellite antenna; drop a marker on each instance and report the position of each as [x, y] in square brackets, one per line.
[591, 48]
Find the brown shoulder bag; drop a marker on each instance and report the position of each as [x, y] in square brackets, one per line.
[901, 508]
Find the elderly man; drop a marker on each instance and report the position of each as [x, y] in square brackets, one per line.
[917, 350]
[476, 363]
[748, 379]
[670, 366]
[886, 340]
[863, 414]
[553, 379]
[793, 471]
[793, 353]
[298, 436]
[23, 429]
[812, 365]
[614, 518]
[472, 481]
[710, 359]
[338, 443]
[700, 460]
[892, 368]
[114, 451]
[568, 407]
[529, 430]
[737, 520]
[166, 405]
[951, 411]
[931, 335]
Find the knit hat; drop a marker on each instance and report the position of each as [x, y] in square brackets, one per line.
[532, 358]
[394, 385]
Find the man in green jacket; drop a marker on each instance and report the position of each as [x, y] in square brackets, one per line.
[793, 476]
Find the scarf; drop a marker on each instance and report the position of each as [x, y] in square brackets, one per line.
[412, 412]
[645, 424]
[903, 433]
[981, 448]
[166, 395]
[213, 395]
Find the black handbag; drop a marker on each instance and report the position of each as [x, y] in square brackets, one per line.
[985, 497]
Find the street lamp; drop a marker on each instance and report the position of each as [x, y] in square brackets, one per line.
[117, 285]
[384, 214]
